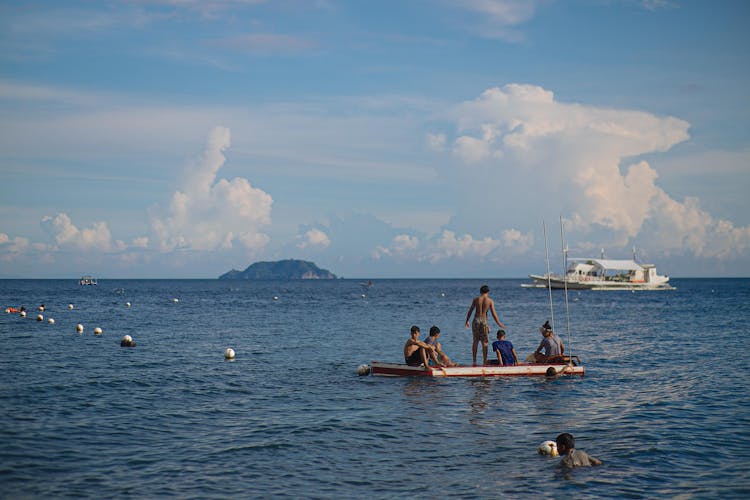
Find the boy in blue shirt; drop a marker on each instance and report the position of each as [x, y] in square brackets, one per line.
[506, 355]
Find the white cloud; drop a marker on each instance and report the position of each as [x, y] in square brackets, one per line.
[67, 236]
[140, 242]
[471, 150]
[11, 248]
[209, 214]
[401, 245]
[404, 243]
[538, 153]
[685, 226]
[498, 17]
[448, 245]
[516, 241]
[314, 238]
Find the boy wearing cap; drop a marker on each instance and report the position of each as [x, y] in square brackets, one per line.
[551, 344]
[506, 355]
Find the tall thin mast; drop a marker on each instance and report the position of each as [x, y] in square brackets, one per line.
[549, 281]
[565, 267]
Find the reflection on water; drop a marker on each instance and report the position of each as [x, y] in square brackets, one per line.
[478, 400]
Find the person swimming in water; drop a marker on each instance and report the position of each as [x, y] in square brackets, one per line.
[570, 456]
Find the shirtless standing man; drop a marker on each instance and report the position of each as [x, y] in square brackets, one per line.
[480, 327]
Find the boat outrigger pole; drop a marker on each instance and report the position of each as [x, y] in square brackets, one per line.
[567, 307]
[549, 284]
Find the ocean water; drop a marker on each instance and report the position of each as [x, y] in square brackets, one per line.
[664, 402]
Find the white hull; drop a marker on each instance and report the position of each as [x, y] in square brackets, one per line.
[521, 370]
[556, 282]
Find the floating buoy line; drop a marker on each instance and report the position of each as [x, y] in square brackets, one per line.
[127, 340]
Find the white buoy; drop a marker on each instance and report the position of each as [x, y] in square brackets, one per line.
[228, 353]
[70, 306]
[79, 328]
[51, 321]
[127, 304]
[175, 300]
[275, 297]
[363, 295]
[442, 294]
[127, 341]
[97, 331]
[548, 448]
[39, 317]
[23, 314]
[41, 308]
[363, 370]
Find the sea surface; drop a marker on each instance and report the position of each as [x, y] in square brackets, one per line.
[664, 403]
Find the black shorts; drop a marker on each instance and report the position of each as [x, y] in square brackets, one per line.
[415, 359]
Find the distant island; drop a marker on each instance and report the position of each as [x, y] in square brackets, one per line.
[289, 269]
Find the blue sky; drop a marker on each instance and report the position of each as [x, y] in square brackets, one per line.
[181, 138]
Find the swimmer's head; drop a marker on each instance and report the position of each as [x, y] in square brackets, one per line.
[414, 329]
[434, 331]
[484, 289]
[500, 333]
[565, 442]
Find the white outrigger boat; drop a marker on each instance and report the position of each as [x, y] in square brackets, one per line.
[604, 274]
[520, 370]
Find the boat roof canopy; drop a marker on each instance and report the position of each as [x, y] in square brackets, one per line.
[620, 265]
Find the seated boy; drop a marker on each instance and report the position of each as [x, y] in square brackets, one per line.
[416, 352]
[506, 354]
[438, 356]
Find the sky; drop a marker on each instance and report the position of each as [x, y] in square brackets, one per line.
[378, 139]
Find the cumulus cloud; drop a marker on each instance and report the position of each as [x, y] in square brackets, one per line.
[209, 214]
[449, 245]
[140, 242]
[516, 241]
[314, 238]
[536, 152]
[685, 226]
[10, 248]
[402, 244]
[66, 235]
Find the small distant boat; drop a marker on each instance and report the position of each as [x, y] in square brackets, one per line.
[520, 370]
[87, 280]
[603, 274]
